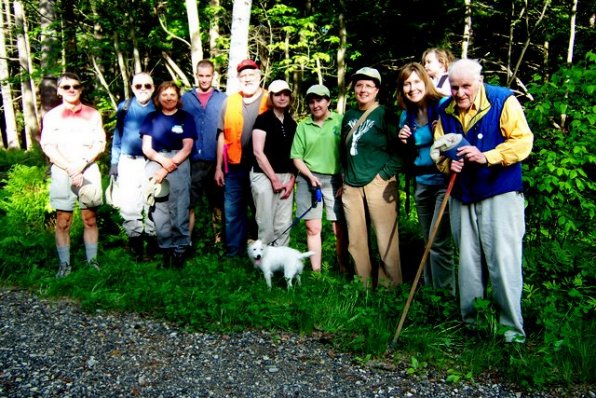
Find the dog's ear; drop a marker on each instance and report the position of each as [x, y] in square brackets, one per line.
[250, 242]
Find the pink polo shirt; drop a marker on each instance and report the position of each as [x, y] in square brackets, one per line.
[75, 134]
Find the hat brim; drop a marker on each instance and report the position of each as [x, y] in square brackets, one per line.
[357, 77]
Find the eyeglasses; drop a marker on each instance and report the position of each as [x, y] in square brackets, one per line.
[68, 87]
[284, 93]
[147, 86]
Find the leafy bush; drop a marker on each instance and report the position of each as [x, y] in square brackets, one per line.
[24, 198]
[561, 172]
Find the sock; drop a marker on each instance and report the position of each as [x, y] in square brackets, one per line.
[63, 254]
[90, 250]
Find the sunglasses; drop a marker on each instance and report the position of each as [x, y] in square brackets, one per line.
[68, 87]
[147, 86]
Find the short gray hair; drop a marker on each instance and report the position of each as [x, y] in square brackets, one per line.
[469, 67]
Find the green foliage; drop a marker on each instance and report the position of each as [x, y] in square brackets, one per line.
[561, 172]
[24, 198]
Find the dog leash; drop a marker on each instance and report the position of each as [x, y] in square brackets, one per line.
[317, 197]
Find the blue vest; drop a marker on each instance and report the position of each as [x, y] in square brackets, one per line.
[477, 182]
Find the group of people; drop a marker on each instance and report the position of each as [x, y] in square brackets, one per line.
[247, 155]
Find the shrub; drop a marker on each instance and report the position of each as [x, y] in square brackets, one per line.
[561, 172]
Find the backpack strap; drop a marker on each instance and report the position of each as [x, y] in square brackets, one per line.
[121, 114]
[359, 122]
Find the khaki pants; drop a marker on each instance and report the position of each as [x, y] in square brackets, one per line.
[378, 201]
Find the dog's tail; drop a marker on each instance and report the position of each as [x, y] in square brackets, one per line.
[306, 254]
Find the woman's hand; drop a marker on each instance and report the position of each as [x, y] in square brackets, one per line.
[404, 134]
[168, 164]
[160, 175]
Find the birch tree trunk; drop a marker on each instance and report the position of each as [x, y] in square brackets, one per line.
[194, 30]
[28, 95]
[341, 62]
[9, 113]
[238, 41]
[465, 45]
[572, 33]
[214, 52]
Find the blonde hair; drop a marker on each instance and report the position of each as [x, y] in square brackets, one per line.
[444, 56]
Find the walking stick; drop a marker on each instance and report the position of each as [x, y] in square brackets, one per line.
[429, 244]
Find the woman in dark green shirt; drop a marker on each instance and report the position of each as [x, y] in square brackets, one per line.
[370, 191]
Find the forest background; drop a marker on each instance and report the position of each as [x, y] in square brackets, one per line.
[542, 49]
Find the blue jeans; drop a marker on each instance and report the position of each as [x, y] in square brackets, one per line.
[236, 200]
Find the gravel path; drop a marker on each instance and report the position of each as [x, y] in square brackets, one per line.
[53, 349]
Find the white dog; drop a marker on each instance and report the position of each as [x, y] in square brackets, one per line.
[276, 258]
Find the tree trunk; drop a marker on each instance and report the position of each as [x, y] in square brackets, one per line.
[122, 66]
[50, 55]
[511, 77]
[194, 30]
[214, 29]
[28, 96]
[572, 33]
[9, 113]
[238, 41]
[175, 70]
[103, 82]
[465, 45]
[138, 66]
[341, 61]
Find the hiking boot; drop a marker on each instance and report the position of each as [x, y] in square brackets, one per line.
[152, 247]
[94, 264]
[178, 260]
[166, 262]
[63, 270]
[135, 244]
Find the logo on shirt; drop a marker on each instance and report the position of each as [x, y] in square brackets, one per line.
[177, 129]
[363, 129]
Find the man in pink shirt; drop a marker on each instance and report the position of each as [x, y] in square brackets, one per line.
[72, 138]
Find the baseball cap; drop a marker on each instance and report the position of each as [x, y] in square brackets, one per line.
[318, 90]
[277, 86]
[90, 195]
[246, 64]
[367, 73]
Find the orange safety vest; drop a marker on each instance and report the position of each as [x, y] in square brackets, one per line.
[234, 123]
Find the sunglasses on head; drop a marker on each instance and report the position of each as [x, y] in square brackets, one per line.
[68, 87]
[147, 86]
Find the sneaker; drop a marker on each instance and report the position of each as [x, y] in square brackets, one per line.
[94, 264]
[63, 270]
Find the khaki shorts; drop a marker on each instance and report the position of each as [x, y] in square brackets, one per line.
[330, 184]
[63, 195]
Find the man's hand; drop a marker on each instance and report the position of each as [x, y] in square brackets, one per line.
[456, 166]
[77, 180]
[220, 179]
[76, 168]
[471, 154]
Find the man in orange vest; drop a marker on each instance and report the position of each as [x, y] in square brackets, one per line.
[234, 153]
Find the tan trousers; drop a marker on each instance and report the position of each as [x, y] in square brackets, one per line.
[379, 201]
